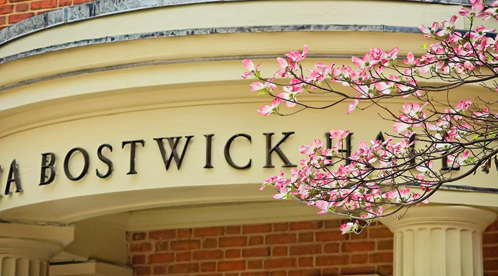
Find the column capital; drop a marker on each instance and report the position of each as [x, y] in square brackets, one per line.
[475, 218]
[30, 246]
[439, 240]
[59, 233]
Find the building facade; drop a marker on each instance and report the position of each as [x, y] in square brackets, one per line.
[130, 145]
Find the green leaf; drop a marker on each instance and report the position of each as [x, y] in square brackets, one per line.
[476, 136]
[425, 46]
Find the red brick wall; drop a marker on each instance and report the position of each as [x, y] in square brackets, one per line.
[278, 249]
[12, 11]
[295, 248]
[490, 250]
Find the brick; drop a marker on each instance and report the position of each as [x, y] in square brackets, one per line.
[329, 236]
[64, 3]
[210, 243]
[35, 5]
[163, 269]
[2, 2]
[255, 274]
[256, 252]
[385, 245]
[305, 262]
[22, 7]
[383, 257]
[385, 269]
[358, 270]
[330, 271]
[331, 247]
[332, 224]
[208, 267]
[208, 255]
[345, 221]
[184, 233]
[491, 265]
[3, 20]
[305, 249]
[138, 259]
[184, 268]
[140, 247]
[45, 4]
[358, 246]
[209, 231]
[161, 258]
[490, 251]
[277, 227]
[363, 235]
[162, 234]
[492, 227]
[359, 259]
[233, 241]
[278, 273]
[231, 265]
[162, 246]
[332, 260]
[257, 240]
[5, 9]
[255, 264]
[487, 238]
[138, 236]
[142, 270]
[280, 263]
[258, 228]
[183, 256]
[232, 253]
[280, 238]
[185, 245]
[15, 1]
[306, 237]
[307, 272]
[380, 233]
[233, 230]
[279, 251]
[304, 225]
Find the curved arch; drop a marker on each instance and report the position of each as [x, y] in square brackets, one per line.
[102, 8]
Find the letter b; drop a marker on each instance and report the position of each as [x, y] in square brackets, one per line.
[47, 164]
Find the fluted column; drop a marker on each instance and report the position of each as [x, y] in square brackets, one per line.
[438, 240]
[26, 249]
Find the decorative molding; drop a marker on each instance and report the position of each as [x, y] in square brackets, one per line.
[89, 268]
[102, 8]
[207, 31]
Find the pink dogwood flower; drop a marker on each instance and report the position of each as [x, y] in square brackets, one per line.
[266, 110]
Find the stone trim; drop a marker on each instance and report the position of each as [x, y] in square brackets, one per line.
[101, 8]
[206, 31]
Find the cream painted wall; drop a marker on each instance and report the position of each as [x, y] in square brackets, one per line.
[223, 110]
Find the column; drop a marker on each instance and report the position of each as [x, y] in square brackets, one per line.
[27, 248]
[439, 240]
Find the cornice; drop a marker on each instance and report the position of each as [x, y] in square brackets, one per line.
[101, 8]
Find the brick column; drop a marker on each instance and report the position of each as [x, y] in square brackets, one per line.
[26, 249]
[439, 240]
